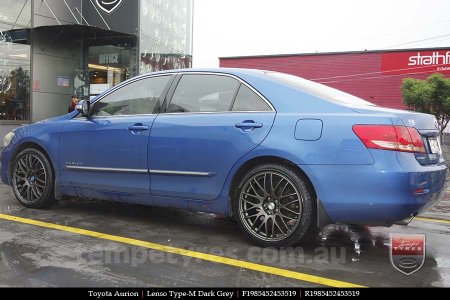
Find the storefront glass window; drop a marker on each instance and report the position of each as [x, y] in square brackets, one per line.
[166, 35]
[111, 64]
[15, 16]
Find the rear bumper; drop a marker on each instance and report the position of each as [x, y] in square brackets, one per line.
[393, 189]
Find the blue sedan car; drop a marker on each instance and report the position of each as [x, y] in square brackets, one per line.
[284, 155]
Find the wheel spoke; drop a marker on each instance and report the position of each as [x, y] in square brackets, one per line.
[278, 184]
[284, 223]
[23, 189]
[289, 195]
[40, 190]
[29, 161]
[284, 188]
[266, 226]
[35, 192]
[254, 190]
[279, 228]
[247, 210]
[259, 185]
[21, 178]
[253, 196]
[29, 194]
[284, 216]
[40, 180]
[40, 172]
[271, 183]
[23, 165]
[264, 184]
[21, 168]
[290, 210]
[251, 203]
[289, 203]
[273, 226]
[261, 225]
[252, 216]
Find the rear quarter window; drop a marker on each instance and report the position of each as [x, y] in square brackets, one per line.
[248, 100]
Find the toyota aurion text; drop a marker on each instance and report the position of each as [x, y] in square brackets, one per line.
[282, 155]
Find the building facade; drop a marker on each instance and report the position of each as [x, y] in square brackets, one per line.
[375, 76]
[51, 49]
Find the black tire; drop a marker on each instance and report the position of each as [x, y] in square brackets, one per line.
[260, 203]
[33, 179]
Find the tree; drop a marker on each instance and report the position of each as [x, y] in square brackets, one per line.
[431, 96]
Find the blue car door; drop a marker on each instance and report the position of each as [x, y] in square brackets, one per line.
[211, 122]
[105, 155]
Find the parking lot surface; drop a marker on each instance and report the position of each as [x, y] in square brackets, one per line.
[97, 243]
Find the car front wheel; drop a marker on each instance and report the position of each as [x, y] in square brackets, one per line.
[274, 205]
[32, 179]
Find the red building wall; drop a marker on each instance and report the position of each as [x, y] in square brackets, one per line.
[375, 76]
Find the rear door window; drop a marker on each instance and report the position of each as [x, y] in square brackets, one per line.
[203, 93]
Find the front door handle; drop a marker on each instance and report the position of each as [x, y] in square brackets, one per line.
[248, 125]
[138, 127]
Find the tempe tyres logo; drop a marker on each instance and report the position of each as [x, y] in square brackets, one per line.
[108, 6]
[407, 252]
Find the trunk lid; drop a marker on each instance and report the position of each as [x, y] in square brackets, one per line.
[420, 121]
[426, 125]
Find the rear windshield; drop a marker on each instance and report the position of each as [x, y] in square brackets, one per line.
[319, 90]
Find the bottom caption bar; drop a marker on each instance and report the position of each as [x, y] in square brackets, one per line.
[186, 293]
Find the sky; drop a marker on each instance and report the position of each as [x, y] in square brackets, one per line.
[260, 27]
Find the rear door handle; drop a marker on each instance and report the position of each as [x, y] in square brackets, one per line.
[138, 127]
[248, 125]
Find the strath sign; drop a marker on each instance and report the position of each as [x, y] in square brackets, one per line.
[415, 62]
[108, 6]
[426, 60]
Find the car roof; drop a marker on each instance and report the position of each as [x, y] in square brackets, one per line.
[233, 71]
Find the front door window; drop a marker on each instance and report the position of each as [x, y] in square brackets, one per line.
[136, 98]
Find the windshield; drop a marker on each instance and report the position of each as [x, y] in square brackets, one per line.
[319, 90]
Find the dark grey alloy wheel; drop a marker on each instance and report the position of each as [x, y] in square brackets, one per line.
[274, 205]
[32, 179]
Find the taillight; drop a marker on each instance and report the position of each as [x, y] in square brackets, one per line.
[389, 137]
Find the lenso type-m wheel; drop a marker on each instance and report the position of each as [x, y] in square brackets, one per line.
[32, 179]
[274, 205]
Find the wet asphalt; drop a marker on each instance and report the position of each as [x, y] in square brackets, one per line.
[33, 256]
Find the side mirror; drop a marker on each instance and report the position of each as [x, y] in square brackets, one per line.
[83, 108]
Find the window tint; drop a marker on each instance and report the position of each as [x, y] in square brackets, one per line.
[140, 97]
[203, 93]
[248, 100]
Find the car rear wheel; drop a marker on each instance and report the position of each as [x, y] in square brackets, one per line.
[274, 205]
[32, 179]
